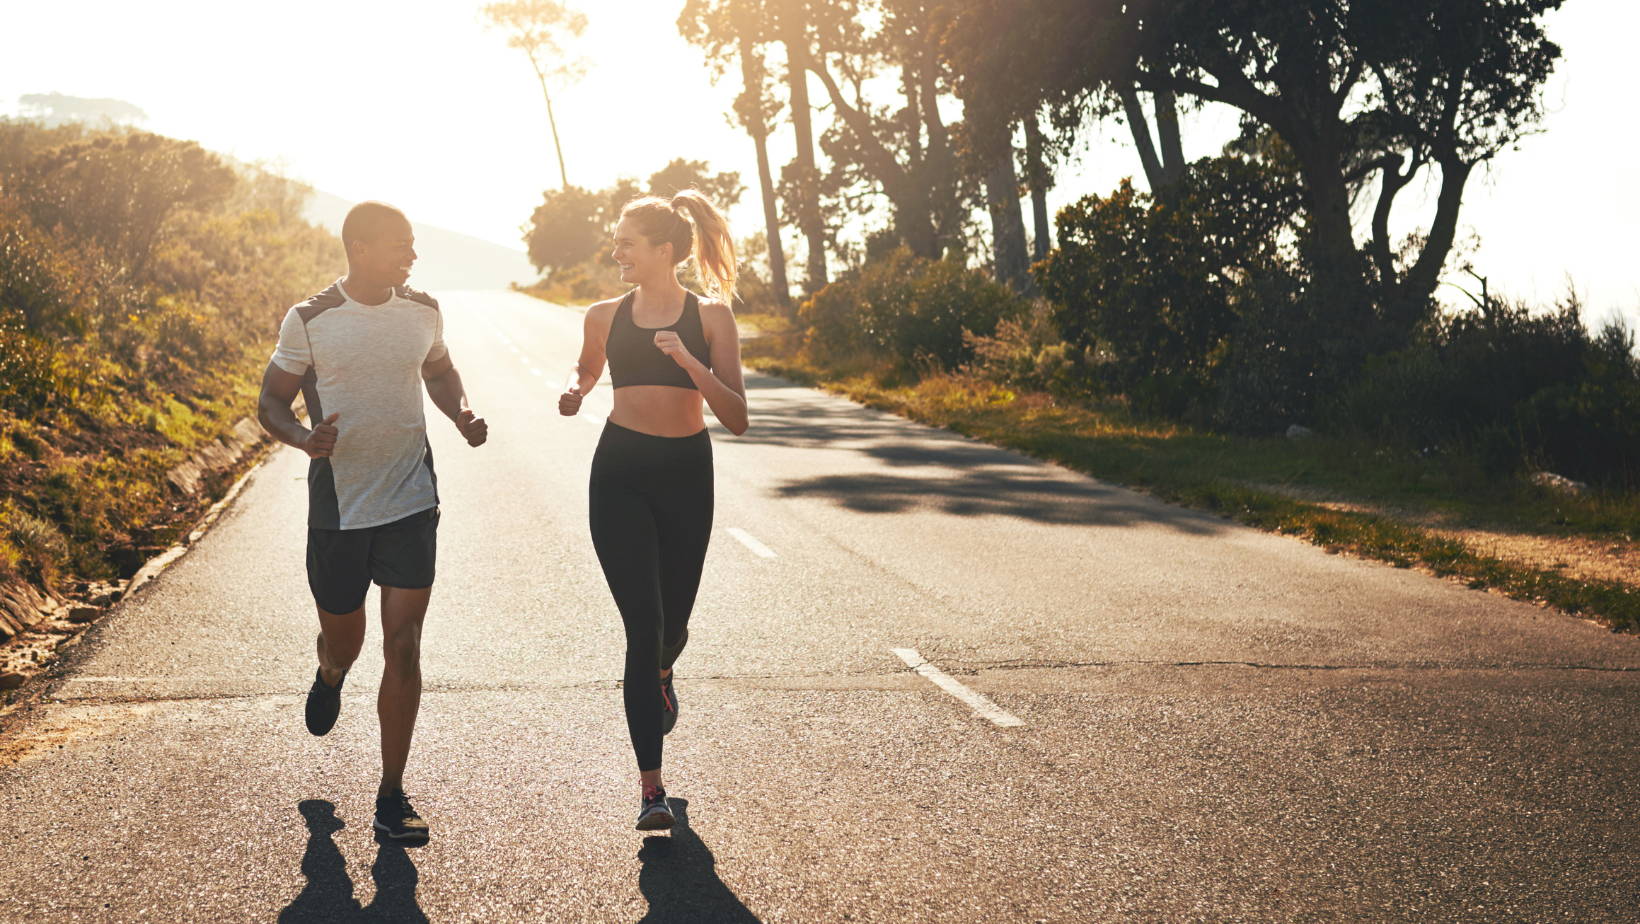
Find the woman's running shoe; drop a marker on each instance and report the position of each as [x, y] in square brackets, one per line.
[656, 814]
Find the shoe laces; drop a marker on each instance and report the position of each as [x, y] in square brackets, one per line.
[399, 800]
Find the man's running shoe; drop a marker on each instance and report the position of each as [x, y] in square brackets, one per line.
[396, 818]
[669, 705]
[324, 703]
[656, 814]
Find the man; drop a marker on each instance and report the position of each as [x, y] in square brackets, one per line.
[354, 352]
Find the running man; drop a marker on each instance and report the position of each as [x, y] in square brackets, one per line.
[670, 354]
[359, 353]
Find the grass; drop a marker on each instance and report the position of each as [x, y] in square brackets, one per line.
[90, 490]
[1254, 481]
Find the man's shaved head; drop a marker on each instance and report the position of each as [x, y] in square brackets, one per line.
[371, 222]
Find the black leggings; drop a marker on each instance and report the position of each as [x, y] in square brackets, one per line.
[651, 519]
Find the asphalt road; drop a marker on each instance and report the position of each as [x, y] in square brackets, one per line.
[1213, 723]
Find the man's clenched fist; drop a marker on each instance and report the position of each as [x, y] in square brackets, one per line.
[321, 440]
[472, 427]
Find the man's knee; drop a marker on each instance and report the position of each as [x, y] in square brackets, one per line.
[401, 650]
[343, 637]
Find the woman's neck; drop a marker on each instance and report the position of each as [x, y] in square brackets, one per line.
[665, 290]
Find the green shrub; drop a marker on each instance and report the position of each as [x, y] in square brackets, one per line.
[1514, 388]
[1026, 352]
[28, 544]
[141, 284]
[1164, 285]
[910, 311]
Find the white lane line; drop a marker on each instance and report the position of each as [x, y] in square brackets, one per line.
[750, 542]
[951, 685]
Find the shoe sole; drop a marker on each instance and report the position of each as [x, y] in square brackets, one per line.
[656, 822]
[406, 836]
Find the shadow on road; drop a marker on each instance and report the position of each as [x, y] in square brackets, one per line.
[679, 879]
[942, 471]
[328, 895]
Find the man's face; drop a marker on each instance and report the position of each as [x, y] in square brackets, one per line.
[386, 256]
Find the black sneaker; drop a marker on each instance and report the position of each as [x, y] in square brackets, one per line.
[669, 704]
[324, 703]
[656, 814]
[396, 818]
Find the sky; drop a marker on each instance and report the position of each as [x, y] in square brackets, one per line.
[423, 106]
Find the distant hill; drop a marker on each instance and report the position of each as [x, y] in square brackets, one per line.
[444, 259]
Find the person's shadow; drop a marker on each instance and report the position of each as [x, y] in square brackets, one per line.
[328, 895]
[679, 878]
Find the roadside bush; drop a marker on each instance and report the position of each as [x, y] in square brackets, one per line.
[1164, 285]
[1027, 352]
[907, 310]
[141, 283]
[1515, 389]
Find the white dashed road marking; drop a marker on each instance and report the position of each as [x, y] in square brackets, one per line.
[750, 542]
[951, 685]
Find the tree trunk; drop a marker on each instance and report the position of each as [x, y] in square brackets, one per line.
[1167, 127]
[751, 72]
[563, 174]
[1412, 296]
[1335, 261]
[1009, 262]
[808, 209]
[1140, 127]
[1037, 177]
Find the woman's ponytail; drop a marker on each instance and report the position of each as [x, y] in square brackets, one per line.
[715, 249]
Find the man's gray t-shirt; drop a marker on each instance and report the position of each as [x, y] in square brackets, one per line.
[364, 363]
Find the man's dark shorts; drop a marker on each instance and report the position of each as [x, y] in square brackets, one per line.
[341, 563]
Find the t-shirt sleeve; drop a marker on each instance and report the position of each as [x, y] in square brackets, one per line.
[437, 351]
[293, 354]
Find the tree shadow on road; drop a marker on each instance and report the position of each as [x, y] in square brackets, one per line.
[328, 895]
[679, 878]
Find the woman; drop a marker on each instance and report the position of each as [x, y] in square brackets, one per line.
[668, 353]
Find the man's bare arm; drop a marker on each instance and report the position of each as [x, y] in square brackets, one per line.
[445, 388]
[279, 389]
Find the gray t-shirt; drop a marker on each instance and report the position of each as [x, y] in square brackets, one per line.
[364, 363]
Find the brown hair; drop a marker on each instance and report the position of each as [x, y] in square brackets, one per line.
[677, 221]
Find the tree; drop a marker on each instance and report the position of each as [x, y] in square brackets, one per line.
[568, 227]
[994, 150]
[1356, 89]
[739, 27]
[801, 177]
[1036, 177]
[540, 28]
[755, 107]
[723, 189]
[907, 152]
[118, 190]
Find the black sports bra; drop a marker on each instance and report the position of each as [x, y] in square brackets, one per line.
[635, 360]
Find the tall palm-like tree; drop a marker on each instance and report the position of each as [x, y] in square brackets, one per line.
[540, 29]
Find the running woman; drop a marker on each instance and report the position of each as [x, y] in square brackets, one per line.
[359, 353]
[670, 353]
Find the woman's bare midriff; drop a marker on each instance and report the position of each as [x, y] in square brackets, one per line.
[659, 410]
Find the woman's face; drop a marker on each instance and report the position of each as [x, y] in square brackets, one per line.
[640, 261]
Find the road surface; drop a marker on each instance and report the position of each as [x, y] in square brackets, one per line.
[1167, 716]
